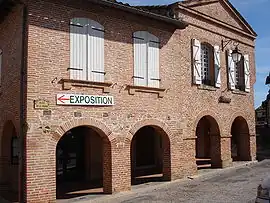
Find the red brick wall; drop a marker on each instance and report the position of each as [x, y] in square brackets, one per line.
[10, 43]
[177, 113]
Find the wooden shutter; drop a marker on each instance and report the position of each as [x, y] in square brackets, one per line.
[140, 58]
[78, 49]
[231, 70]
[96, 52]
[217, 66]
[197, 66]
[153, 61]
[247, 73]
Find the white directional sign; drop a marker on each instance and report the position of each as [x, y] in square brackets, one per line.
[84, 100]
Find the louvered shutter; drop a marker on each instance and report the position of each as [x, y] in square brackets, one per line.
[153, 61]
[78, 49]
[197, 66]
[231, 70]
[140, 59]
[96, 52]
[247, 73]
[217, 66]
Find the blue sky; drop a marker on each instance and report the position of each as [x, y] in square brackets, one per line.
[257, 14]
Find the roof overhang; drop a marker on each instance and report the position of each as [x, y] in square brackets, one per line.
[177, 23]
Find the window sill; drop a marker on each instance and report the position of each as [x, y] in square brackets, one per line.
[132, 89]
[207, 87]
[68, 83]
[239, 92]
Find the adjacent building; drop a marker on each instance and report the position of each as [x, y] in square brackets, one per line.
[101, 94]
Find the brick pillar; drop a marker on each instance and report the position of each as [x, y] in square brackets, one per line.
[253, 149]
[183, 152]
[225, 146]
[40, 168]
[166, 158]
[121, 168]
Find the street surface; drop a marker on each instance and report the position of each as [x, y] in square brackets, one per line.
[233, 185]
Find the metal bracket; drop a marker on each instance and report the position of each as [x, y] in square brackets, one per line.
[225, 42]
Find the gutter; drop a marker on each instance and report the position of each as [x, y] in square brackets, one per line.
[178, 23]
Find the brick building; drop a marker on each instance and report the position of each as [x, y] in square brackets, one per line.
[100, 94]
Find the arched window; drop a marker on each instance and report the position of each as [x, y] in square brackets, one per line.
[206, 64]
[86, 50]
[146, 59]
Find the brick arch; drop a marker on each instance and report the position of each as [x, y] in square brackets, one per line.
[149, 122]
[207, 113]
[99, 126]
[239, 115]
[162, 129]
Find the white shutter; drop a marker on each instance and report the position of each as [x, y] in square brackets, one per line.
[231, 70]
[153, 61]
[95, 52]
[197, 66]
[78, 49]
[247, 73]
[140, 58]
[217, 66]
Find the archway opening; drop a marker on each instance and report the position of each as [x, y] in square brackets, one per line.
[240, 140]
[150, 155]
[83, 163]
[9, 182]
[208, 150]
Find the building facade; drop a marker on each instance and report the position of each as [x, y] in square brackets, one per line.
[100, 94]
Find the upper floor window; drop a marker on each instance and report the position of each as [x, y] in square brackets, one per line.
[86, 50]
[1, 62]
[238, 73]
[206, 64]
[146, 59]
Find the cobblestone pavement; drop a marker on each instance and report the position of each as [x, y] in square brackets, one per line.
[234, 185]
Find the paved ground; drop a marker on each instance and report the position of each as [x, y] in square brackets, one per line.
[220, 186]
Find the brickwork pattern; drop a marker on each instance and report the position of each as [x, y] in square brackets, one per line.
[177, 113]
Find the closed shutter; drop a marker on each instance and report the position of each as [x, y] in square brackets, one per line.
[96, 52]
[153, 61]
[247, 73]
[140, 59]
[231, 70]
[196, 56]
[78, 49]
[217, 66]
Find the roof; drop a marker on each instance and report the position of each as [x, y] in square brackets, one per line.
[142, 12]
[230, 6]
[188, 3]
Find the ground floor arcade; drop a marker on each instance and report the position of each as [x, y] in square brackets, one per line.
[85, 157]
